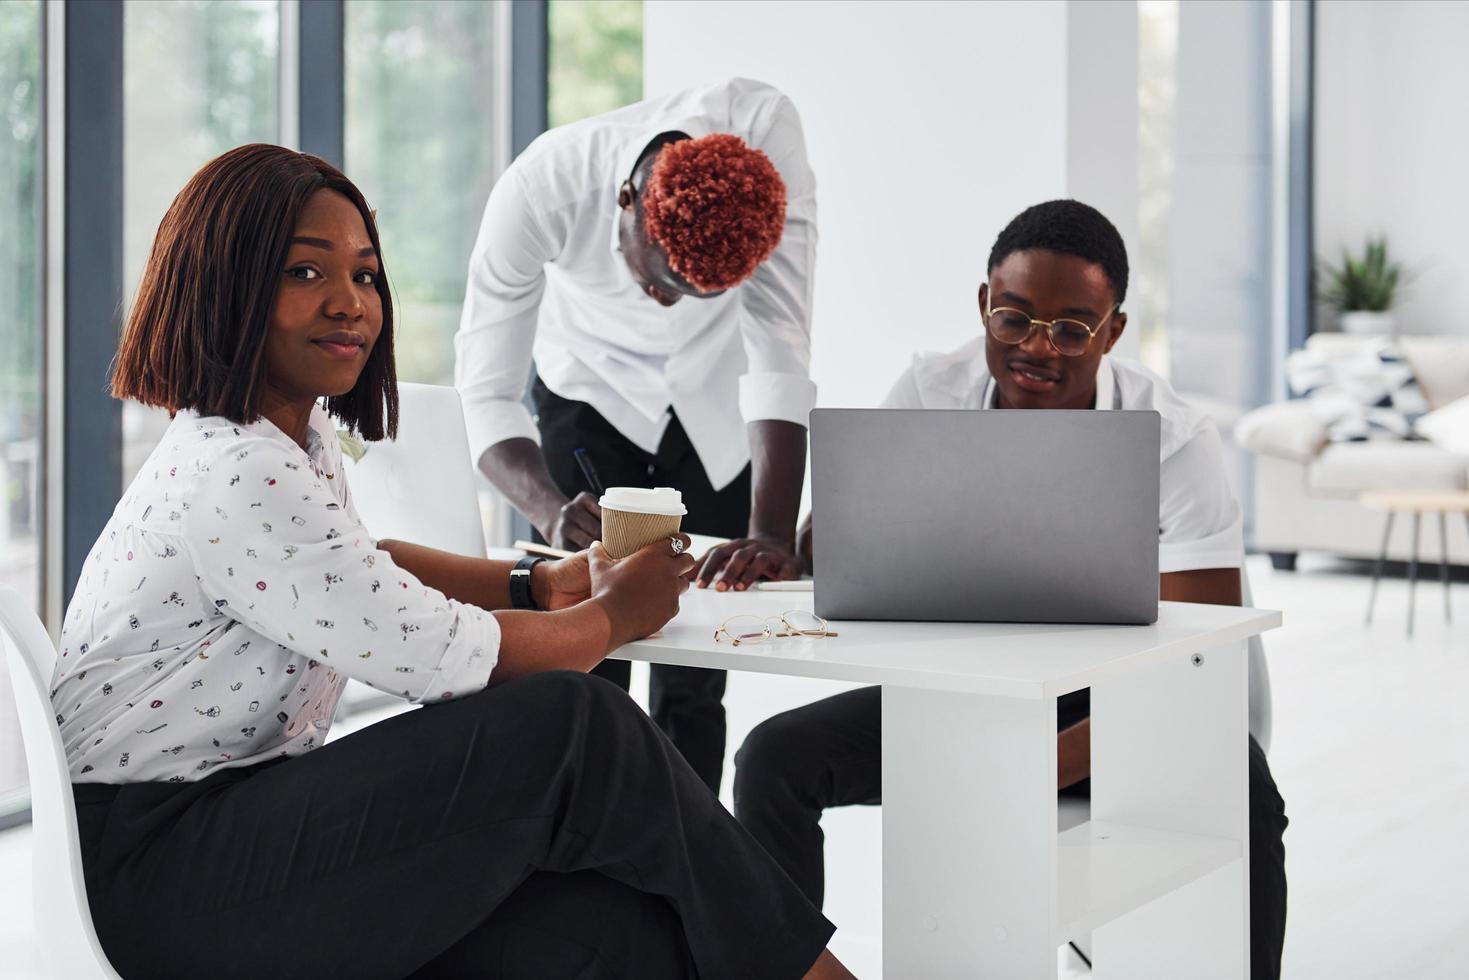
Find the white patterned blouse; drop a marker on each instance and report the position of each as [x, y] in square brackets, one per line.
[227, 601]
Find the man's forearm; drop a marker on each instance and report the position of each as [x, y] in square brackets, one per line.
[1215, 586]
[778, 468]
[517, 468]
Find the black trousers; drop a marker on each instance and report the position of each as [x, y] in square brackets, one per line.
[798, 763]
[686, 702]
[543, 828]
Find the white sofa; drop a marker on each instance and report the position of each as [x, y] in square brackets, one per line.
[1306, 489]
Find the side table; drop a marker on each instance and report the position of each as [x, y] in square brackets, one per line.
[1416, 502]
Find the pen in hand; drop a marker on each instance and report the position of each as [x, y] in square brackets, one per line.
[584, 460]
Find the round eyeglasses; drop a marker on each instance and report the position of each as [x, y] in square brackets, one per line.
[747, 629]
[1070, 338]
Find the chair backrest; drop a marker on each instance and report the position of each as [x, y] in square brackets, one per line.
[421, 486]
[63, 919]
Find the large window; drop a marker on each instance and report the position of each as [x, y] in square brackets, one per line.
[1157, 96]
[21, 366]
[200, 77]
[421, 130]
[596, 57]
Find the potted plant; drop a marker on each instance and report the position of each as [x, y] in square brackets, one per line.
[1361, 290]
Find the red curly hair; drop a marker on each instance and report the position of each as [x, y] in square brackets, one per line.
[717, 208]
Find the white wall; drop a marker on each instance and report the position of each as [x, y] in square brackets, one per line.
[1392, 145]
[929, 126]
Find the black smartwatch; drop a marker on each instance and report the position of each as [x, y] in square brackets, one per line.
[520, 593]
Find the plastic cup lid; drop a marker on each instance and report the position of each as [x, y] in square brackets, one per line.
[640, 500]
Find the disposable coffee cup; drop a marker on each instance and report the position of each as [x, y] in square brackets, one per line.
[635, 517]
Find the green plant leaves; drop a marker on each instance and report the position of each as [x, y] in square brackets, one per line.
[1366, 283]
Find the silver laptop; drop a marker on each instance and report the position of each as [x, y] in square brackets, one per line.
[1034, 516]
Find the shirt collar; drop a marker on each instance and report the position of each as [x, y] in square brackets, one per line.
[1106, 388]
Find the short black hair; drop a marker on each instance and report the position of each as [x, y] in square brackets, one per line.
[1067, 228]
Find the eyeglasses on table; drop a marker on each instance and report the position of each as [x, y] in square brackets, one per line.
[749, 629]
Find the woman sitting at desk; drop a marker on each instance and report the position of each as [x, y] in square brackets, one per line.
[532, 823]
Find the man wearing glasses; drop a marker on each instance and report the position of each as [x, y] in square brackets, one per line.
[657, 261]
[1051, 312]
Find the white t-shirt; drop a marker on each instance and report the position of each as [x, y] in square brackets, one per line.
[227, 601]
[1199, 521]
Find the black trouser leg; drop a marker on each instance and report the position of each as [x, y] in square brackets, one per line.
[796, 764]
[1267, 869]
[686, 702]
[582, 925]
[375, 854]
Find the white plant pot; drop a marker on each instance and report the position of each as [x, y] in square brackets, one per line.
[1374, 323]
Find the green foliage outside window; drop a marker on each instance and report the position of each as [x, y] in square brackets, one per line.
[420, 137]
[596, 57]
[420, 143]
[20, 161]
[199, 77]
[20, 342]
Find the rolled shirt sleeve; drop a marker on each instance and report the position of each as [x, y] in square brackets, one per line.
[776, 326]
[275, 550]
[497, 327]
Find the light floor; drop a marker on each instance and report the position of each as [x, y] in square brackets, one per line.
[1370, 749]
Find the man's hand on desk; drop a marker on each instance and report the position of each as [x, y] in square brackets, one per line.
[744, 561]
[562, 583]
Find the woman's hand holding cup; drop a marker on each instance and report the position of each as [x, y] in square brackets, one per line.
[639, 593]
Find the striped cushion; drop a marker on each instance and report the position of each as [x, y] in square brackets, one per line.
[1359, 395]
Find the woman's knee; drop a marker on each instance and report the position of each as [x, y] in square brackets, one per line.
[562, 699]
[570, 687]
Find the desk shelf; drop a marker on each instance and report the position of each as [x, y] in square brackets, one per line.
[1105, 870]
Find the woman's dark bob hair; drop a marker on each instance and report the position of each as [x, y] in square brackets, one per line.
[196, 336]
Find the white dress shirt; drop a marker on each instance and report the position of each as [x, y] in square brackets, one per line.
[1199, 521]
[227, 601]
[547, 278]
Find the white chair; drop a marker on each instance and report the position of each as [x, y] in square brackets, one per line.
[420, 487]
[63, 919]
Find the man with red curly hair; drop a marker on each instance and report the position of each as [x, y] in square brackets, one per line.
[657, 263]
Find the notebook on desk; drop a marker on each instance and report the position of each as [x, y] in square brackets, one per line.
[986, 516]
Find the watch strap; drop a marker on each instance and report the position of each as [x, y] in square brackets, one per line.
[520, 592]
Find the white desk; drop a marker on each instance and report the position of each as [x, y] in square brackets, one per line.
[976, 880]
